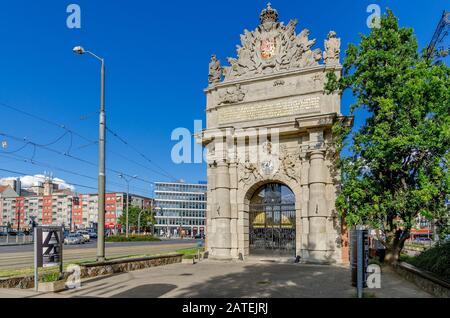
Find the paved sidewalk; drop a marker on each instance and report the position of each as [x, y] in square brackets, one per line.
[233, 280]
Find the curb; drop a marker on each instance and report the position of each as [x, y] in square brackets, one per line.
[16, 244]
[423, 279]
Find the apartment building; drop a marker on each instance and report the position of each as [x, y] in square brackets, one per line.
[52, 206]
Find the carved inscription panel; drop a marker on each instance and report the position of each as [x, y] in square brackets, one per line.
[268, 109]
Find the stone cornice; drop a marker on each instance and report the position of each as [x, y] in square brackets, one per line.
[261, 78]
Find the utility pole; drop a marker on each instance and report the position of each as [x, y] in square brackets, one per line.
[18, 219]
[127, 180]
[101, 159]
[139, 221]
[436, 49]
[71, 214]
[101, 171]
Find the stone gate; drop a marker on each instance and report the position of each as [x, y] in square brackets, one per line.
[269, 122]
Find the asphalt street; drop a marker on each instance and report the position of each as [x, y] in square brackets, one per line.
[17, 257]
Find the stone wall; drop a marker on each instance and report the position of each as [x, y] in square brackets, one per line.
[121, 266]
[98, 269]
[426, 281]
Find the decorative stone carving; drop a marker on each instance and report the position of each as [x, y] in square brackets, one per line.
[289, 163]
[268, 15]
[278, 83]
[272, 47]
[249, 172]
[267, 147]
[215, 70]
[332, 49]
[232, 95]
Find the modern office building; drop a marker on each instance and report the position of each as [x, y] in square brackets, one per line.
[180, 208]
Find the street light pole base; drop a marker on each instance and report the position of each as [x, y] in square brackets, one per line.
[100, 259]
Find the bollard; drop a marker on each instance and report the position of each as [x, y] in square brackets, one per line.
[7, 238]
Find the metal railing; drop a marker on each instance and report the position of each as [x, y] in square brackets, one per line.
[15, 239]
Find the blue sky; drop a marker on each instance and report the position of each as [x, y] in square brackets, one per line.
[157, 56]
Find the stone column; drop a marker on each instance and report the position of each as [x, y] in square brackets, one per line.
[234, 220]
[317, 205]
[304, 230]
[210, 200]
[221, 213]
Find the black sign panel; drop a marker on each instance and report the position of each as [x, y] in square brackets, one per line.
[354, 254]
[49, 244]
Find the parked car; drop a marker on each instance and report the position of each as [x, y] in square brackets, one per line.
[12, 233]
[3, 233]
[74, 238]
[421, 238]
[92, 234]
[85, 235]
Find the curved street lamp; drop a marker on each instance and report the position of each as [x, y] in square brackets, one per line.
[101, 158]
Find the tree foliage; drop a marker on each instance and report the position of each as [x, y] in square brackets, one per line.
[398, 167]
[147, 216]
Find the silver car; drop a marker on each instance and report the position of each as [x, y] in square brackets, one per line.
[85, 235]
[74, 238]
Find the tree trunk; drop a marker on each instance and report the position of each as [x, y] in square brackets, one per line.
[392, 255]
[395, 247]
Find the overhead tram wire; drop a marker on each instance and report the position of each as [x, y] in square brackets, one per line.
[50, 122]
[91, 142]
[167, 174]
[23, 174]
[32, 162]
[70, 156]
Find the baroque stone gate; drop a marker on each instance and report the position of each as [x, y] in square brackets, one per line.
[269, 121]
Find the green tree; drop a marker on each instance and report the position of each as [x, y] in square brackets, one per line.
[147, 216]
[398, 167]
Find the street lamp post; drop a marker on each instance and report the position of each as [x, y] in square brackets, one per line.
[128, 200]
[101, 159]
[139, 221]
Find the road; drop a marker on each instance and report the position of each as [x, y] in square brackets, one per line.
[18, 257]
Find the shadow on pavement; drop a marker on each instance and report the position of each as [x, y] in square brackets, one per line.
[275, 281]
[146, 291]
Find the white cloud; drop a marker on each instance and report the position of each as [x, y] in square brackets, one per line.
[30, 181]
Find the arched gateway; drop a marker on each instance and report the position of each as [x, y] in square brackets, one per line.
[272, 222]
[271, 177]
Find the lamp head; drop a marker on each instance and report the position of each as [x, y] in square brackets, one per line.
[78, 50]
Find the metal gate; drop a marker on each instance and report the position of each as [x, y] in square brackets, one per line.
[272, 229]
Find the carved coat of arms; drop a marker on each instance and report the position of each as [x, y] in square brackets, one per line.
[268, 48]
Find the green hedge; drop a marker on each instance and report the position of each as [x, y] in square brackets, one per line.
[131, 238]
[50, 277]
[435, 260]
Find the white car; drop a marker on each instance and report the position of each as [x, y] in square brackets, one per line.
[74, 238]
[85, 235]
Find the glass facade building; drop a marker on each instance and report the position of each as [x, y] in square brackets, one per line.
[180, 208]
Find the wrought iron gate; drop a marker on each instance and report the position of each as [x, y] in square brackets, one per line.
[272, 229]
